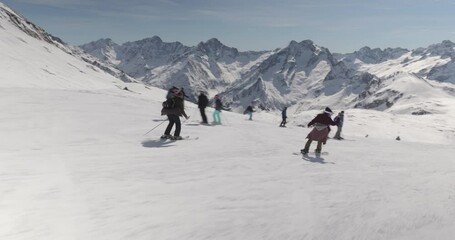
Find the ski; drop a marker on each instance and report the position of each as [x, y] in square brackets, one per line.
[310, 153]
[187, 138]
[183, 138]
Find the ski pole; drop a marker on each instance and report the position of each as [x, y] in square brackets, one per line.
[155, 127]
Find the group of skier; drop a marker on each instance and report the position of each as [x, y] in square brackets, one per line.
[203, 102]
[174, 108]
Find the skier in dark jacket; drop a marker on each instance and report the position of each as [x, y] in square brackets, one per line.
[283, 116]
[218, 108]
[202, 103]
[173, 114]
[249, 110]
[320, 131]
[340, 120]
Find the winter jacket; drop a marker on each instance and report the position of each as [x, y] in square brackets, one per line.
[248, 110]
[322, 119]
[218, 105]
[339, 119]
[203, 101]
[178, 108]
[283, 114]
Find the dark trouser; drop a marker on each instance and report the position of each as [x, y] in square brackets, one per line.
[204, 117]
[283, 123]
[308, 143]
[173, 119]
[338, 133]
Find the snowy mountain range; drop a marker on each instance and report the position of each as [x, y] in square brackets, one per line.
[435, 62]
[302, 73]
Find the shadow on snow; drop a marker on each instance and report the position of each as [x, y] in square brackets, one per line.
[316, 159]
[156, 143]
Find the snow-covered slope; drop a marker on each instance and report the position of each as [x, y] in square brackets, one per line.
[406, 94]
[75, 164]
[21, 39]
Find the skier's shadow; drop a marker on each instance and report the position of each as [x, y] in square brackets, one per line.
[156, 143]
[316, 159]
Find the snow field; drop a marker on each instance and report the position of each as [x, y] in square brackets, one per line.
[75, 165]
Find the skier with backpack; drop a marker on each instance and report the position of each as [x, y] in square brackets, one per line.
[249, 110]
[174, 108]
[320, 131]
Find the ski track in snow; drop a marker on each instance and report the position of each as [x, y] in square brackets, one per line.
[75, 165]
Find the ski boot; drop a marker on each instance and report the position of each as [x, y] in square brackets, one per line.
[166, 136]
[303, 151]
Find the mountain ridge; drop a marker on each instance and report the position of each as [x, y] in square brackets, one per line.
[300, 70]
[302, 73]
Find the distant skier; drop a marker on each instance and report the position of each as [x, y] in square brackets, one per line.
[320, 131]
[249, 110]
[283, 116]
[174, 109]
[340, 120]
[202, 103]
[218, 108]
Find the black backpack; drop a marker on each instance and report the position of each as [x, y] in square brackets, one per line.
[169, 103]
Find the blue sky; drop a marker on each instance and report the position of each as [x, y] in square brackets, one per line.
[340, 25]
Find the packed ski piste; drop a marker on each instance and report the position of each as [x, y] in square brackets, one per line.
[86, 155]
[224, 178]
[173, 108]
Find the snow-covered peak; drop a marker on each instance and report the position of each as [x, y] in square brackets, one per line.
[101, 43]
[368, 55]
[214, 48]
[299, 47]
[155, 40]
[138, 57]
[445, 49]
[104, 49]
[213, 42]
